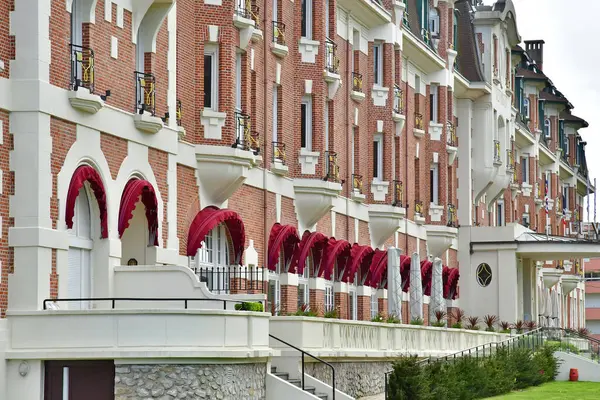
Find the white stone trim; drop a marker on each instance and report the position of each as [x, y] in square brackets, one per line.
[308, 49]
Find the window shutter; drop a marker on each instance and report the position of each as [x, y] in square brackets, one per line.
[74, 277]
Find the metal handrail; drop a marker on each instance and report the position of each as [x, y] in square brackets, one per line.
[332, 168]
[145, 93]
[398, 100]
[113, 300]
[82, 57]
[398, 193]
[279, 33]
[357, 182]
[314, 357]
[357, 82]
[279, 152]
[332, 61]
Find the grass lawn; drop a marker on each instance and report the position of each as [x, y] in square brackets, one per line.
[558, 391]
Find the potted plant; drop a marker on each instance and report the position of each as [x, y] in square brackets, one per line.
[530, 325]
[490, 321]
[518, 326]
[416, 321]
[504, 327]
[473, 323]
[377, 318]
[440, 317]
[393, 319]
[583, 331]
[459, 316]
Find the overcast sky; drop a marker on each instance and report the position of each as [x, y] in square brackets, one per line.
[570, 30]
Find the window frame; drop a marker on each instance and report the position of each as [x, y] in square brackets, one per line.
[352, 304]
[306, 20]
[526, 110]
[434, 20]
[434, 184]
[212, 51]
[500, 213]
[329, 297]
[378, 63]
[303, 281]
[433, 103]
[548, 126]
[374, 304]
[525, 169]
[378, 174]
[306, 125]
[275, 114]
[238, 81]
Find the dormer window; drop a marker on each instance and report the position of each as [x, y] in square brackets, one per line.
[434, 23]
[547, 128]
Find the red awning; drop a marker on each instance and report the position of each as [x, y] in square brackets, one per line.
[83, 174]
[286, 236]
[450, 278]
[426, 273]
[206, 220]
[378, 267]
[131, 194]
[314, 242]
[405, 272]
[336, 250]
[360, 260]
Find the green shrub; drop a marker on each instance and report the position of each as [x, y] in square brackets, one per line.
[562, 346]
[438, 324]
[250, 306]
[416, 321]
[392, 319]
[378, 318]
[457, 325]
[331, 314]
[405, 382]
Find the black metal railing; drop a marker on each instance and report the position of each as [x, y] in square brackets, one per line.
[279, 152]
[232, 279]
[497, 158]
[405, 21]
[419, 121]
[451, 138]
[332, 169]
[510, 160]
[304, 353]
[419, 207]
[279, 33]
[113, 301]
[245, 9]
[145, 93]
[398, 194]
[82, 67]
[332, 61]
[357, 183]
[398, 100]
[245, 137]
[178, 113]
[357, 82]
[452, 215]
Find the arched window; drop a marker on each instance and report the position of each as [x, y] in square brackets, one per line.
[303, 292]
[434, 23]
[212, 260]
[79, 280]
[526, 108]
[274, 284]
[547, 128]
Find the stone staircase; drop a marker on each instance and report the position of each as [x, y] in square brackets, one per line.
[297, 382]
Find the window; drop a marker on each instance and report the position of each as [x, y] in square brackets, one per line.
[275, 10]
[526, 222]
[433, 103]
[306, 123]
[211, 79]
[326, 127]
[378, 157]
[77, 22]
[565, 197]
[352, 304]
[275, 106]
[307, 19]
[526, 108]
[238, 82]
[500, 213]
[303, 292]
[374, 305]
[212, 260]
[329, 298]
[434, 184]
[378, 63]
[525, 169]
[484, 274]
[352, 148]
[547, 128]
[417, 85]
[327, 32]
[434, 23]
[79, 282]
[274, 284]
[567, 144]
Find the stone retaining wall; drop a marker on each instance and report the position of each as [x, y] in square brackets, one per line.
[356, 379]
[187, 382]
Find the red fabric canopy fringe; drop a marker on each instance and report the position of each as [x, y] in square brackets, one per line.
[378, 267]
[314, 242]
[405, 272]
[83, 174]
[286, 236]
[336, 250]
[450, 278]
[359, 260]
[206, 220]
[132, 192]
[426, 274]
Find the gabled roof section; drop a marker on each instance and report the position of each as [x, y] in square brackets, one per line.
[552, 95]
[469, 61]
[573, 119]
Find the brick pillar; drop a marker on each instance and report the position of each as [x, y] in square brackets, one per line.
[288, 303]
[425, 310]
[317, 295]
[364, 303]
[405, 312]
[451, 311]
[341, 299]
[382, 302]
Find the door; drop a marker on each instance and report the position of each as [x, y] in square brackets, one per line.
[79, 380]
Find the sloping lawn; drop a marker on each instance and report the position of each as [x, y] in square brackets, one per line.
[558, 391]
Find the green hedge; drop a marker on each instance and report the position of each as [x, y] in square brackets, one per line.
[250, 306]
[472, 378]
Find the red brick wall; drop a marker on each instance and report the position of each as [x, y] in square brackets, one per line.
[63, 135]
[6, 253]
[159, 160]
[188, 204]
[60, 37]
[317, 301]
[382, 306]
[289, 299]
[364, 308]
[7, 44]
[341, 304]
[115, 151]
[248, 202]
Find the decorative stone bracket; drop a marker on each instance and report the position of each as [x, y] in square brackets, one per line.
[380, 95]
[308, 161]
[400, 120]
[334, 82]
[309, 49]
[147, 123]
[440, 238]
[314, 199]
[357, 196]
[551, 276]
[436, 212]
[384, 221]
[435, 131]
[452, 153]
[213, 122]
[279, 50]
[246, 27]
[526, 188]
[569, 283]
[83, 100]
[379, 189]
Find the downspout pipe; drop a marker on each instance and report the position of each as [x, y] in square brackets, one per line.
[265, 142]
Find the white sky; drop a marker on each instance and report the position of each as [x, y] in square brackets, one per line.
[570, 29]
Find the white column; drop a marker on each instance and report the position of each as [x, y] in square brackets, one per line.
[394, 283]
[437, 302]
[465, 183]
[416, 288]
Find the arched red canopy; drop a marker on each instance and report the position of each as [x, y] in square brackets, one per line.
[378, 268]
[360, 260]
[206, 220]
[426, 273]
[132, 192]
[286, 236]
[83, 174]
[405, 272]
[314, 242]
[450, 278]
[336, 250]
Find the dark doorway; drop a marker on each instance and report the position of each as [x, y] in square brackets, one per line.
[82, 380]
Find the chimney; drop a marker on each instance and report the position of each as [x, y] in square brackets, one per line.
[535, 50]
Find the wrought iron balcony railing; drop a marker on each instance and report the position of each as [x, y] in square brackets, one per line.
[419, 207]
[538, 190]
[510, 157]
[332, 61]
[245, 9]
[332, 169]
[82, 67]
[145, 93]
[398, 100]
[357, 82]
[178, 113]
[279, 152]
[245, 138]
[357, 183]
[279, 33]
[452, 215]
[497, 158]
[419, 121]
[405, 20]
[398, 194]
[451, 138]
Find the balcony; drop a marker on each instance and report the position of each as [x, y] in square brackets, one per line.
[419, 216]
[315, 197]
[452, 220]
[419, 129]
[278, 164]
[178, 116]
[245, 20]
[515, 188]
[497, 158]
[332, 169]
[371, 13]
[399, 113]
[385, 219]
[510, 164]
[357, 93]
[81, 95]
[357, 188]
[278, 45]
[145, 118]
[451, 142]
[332, 68]
[246, 139]
[398, 200]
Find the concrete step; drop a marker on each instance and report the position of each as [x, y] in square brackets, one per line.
[297, 382]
